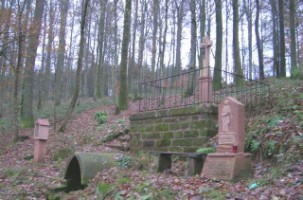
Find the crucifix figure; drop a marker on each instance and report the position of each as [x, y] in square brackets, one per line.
[205, 46]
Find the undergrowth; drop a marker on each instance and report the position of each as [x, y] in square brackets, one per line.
[275, 134]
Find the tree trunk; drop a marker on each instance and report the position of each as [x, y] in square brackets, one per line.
[217, 82]
[72, 105]
[248, 12]
[142, 38]
[202, 28]
[101, 45]
[17, 74]
[154, 34]
[50, 38]
[123, 94]
[193, 52]
[42, 69]
[162, 52]
[282, 40]
[276, 64]
[180, 15]
[236, 50]
[259, 43]
[132, 63]
[293, 51]
[64, 4]
[27, 102]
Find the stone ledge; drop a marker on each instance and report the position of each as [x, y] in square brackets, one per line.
[191, 110]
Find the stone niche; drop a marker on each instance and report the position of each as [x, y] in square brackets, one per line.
[178, 129]
[229, 162]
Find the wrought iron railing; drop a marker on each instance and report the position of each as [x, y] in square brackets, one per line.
[190, 87]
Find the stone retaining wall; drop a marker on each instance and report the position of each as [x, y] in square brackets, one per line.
[178, 129]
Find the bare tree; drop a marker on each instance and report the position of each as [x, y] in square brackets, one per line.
[282, 40]
[27, 96]
[236, 50]
[123, 94]
[71, 107]
[64, 4]
[292, 23]
[259, 42]
[219, 40]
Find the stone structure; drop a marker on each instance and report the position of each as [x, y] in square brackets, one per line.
[205, 80]
[40, 135]
[179, 129]
[229, 162]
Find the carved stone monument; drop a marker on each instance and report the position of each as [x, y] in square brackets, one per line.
[229, 162]
[205, 80]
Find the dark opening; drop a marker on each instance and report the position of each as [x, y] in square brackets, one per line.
[73, 175]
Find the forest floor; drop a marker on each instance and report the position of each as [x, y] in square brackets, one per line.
[274, 177]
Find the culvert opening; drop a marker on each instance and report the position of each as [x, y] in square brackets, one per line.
[73, 176]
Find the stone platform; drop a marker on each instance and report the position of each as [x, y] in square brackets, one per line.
[228, 166]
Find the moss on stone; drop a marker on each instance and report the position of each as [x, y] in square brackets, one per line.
[153, 136]
[167, 135]
[185, 125]
[191, 134]
[182, 142]
[162, 127]
[163, 143]
[148, 143]
[179, 134]
[199, 141]
[175, 126]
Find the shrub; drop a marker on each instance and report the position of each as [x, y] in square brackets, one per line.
[101, 117]
[125, 162]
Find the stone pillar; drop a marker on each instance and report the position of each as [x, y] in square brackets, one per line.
[40, 135]
[205, 79]
[229, 162]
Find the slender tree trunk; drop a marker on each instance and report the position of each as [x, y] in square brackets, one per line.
[72, 105]
[142, 38]
[27, 102]
[69, 68]
[259, 43]
[132, 64]
[193, 41]
[101, 45]
[236, 50]
[202, 28]
[282, 39]
[293, 51]
[123, 94]
[42, 69]
[226, 39]
[248, 12]
[217, 83]
[116, 46]
[47, 73]
[180, 14]
[155, 31]
[17, 73]
[276, 63]
[64, 4]
[162, 52]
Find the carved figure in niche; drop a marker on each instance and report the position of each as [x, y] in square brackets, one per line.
[226, 116]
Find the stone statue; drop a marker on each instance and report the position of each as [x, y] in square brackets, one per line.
[226, 116]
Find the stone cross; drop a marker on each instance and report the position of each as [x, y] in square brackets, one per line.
[205, 45]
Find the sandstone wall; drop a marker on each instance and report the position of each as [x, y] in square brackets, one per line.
[177, 129]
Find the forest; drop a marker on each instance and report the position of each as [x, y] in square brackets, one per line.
[60, 49]
[79, 66]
